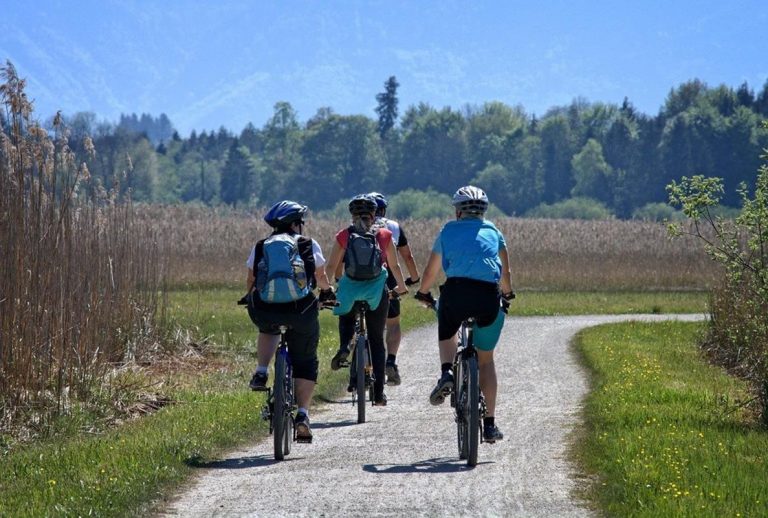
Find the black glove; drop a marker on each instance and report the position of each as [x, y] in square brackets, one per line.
[508, 296]
[411, 282]
[427, 298]
[244, 300]
[327, 296]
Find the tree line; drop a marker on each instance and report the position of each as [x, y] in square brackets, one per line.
[584, 154]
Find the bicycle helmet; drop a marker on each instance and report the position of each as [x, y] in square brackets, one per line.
[471, 200]
[381, 202]
[284, 213]
[362, 204]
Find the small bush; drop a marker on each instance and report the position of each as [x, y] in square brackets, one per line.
[573, 208]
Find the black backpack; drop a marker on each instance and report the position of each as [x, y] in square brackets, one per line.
[362, 258]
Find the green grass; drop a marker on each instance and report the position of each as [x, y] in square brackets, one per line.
[122, 471]
[666, 433]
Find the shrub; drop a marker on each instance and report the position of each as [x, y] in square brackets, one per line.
[657, 212]
[738, 330]
[573, 208]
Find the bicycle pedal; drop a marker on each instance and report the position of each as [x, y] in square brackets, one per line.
[303, 440]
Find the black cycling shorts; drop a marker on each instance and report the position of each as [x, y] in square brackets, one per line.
[462, 298]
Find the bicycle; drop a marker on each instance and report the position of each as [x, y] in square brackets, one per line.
[281, 402]
[361, 365]
[466, 398]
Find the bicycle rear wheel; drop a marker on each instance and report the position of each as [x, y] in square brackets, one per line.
[460, 404]
[280, 416]
[473, 410]
[360, 353]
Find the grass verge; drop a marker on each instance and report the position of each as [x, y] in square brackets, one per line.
[666, 433]
[122, 471]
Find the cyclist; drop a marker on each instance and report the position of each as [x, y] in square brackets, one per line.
[473, 254]
[287, 217]
[363, 210]
[393, 334]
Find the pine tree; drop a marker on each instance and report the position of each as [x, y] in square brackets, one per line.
[387, 108]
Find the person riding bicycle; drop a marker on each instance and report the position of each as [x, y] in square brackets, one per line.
[473, 254]
[301, 315]
[393, 333]
[369, 286]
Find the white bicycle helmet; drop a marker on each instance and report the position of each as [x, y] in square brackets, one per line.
[471, 200]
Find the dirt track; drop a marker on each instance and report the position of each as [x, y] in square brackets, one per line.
[403, 461]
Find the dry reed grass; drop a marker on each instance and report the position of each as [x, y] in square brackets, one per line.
[79, 280]
[210, 246]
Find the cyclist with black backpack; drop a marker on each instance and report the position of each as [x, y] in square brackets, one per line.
[393, 334]
[473, 254]
[283, 268]
[366, 250]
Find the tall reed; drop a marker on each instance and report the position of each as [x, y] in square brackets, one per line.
[79, 278]
[209, 246]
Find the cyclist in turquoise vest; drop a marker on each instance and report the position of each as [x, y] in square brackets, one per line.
[473, 254]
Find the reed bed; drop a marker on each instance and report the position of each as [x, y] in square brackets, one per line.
[210, 246]
[79, 279]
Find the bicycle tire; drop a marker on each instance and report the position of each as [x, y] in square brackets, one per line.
[461, 407]
[473, 410]
[279, 421]
[360, 353]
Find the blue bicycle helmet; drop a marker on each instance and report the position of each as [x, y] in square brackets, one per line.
[284, 213]
[362, 204]
[381, 202]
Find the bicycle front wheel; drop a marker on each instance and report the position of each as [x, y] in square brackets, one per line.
[360, 353]
[281, 415]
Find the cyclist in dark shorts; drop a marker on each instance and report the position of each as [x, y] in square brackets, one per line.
[287, 217]
[393, 333]
[473, 254]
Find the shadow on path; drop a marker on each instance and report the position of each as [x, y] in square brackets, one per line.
[439, 465]
[257, 461]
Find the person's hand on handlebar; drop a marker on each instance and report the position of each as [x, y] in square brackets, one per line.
[327, 298]
[411, 282]
[426, 298]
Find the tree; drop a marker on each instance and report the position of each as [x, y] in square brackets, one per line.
[591, 173]
[282, 158]
[387, 108]
[556, 154]
[342, 156]
[240, 180]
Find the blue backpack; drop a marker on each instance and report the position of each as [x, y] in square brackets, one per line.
[281, 275]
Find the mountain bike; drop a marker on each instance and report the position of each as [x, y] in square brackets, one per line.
[466, 398]
[362, 365]
[281, 402]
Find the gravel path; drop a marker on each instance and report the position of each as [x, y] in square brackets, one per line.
[403, 461]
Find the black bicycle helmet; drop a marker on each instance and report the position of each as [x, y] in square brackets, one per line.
[362, 204]
[471, 200]
[381, 202]
[284, 213]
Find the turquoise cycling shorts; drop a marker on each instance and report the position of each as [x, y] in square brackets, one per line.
[486, 338]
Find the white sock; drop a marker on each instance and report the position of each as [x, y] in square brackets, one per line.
[262, 370]
[304, 411]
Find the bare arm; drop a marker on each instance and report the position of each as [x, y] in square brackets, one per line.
[251, 279]
[334, 263]
[395, 267]
[321, 278]
[429, 276]
[506, 275]
[410, 262]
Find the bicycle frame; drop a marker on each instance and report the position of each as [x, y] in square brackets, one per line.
[466, 398]
[361, 365]
[281, 401]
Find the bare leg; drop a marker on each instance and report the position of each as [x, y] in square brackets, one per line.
[448, 349]
[304, 389]
[393, 335]
[265, 348]
[488, 382]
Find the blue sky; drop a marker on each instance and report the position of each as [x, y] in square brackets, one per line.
[227, 62]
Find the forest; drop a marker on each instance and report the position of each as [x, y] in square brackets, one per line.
[586, 159]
